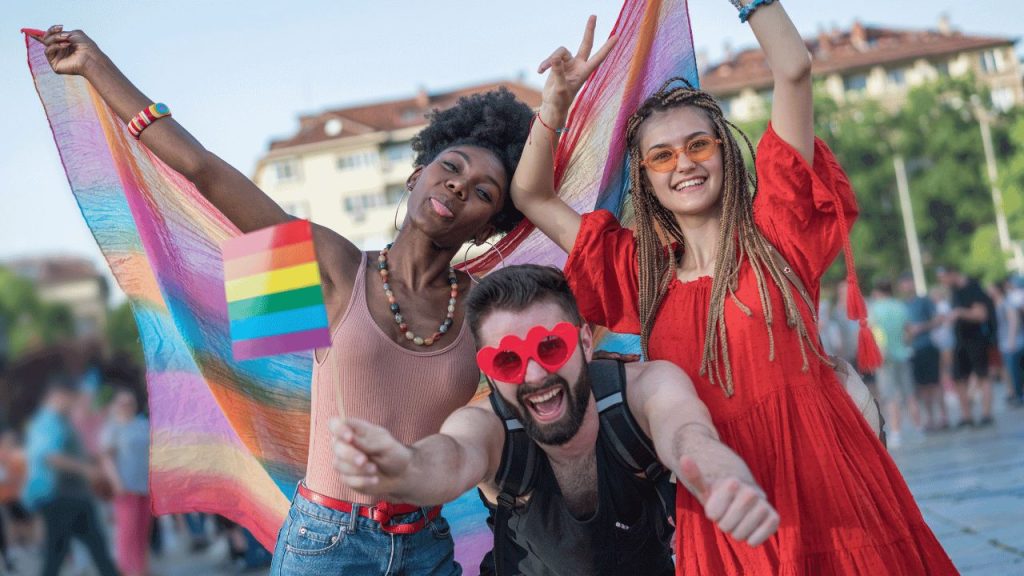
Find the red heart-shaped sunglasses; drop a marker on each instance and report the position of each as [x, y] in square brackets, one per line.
[551, 348]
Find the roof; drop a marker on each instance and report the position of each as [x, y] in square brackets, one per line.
[56, 270]
[860, 47]
[390, 115]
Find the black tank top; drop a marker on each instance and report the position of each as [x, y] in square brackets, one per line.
[627, 535]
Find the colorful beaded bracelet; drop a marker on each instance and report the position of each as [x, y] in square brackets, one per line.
[147, 116]
[750, 8]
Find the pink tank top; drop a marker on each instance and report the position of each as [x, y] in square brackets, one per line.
[408, 392]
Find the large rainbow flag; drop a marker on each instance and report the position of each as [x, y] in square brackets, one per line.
[231, 437]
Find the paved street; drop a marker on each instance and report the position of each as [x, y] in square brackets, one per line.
[969, 485]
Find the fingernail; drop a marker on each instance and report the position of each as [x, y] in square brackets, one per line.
[64, 36]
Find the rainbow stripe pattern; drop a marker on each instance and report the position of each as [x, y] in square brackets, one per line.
[227, 437]
[272, 286]
[230, 437]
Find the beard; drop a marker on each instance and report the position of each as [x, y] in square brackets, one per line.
[559, 432]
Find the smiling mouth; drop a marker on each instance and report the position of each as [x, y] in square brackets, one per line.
[689, 184]
[441, 209]
[546, 405]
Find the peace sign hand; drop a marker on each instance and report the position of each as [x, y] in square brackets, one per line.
[568, 73]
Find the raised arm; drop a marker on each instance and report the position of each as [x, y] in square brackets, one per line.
[230, 191]
[434, 470]
[790, 62]
[533, 188]
[662, 398]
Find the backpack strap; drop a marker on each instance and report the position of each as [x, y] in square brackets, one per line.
[790, 275]
[515, 477]
[632, 448]
[518, 466]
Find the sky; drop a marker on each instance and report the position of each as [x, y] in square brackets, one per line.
[238, 74]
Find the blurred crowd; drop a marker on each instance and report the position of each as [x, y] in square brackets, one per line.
[958, 341]
[74, 489]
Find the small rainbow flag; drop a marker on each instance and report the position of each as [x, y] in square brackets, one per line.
[272, 283]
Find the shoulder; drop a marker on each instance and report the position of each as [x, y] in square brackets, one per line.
[654, 378]
[339, 258]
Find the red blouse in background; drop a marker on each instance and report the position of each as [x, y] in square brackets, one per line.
[844, 507]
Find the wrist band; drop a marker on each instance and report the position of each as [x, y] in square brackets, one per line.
[147, 116]
[558, 131]
[750, 8]
[736, 4]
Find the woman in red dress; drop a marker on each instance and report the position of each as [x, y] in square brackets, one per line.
[698, 281]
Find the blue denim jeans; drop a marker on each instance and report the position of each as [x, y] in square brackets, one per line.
[319, 541]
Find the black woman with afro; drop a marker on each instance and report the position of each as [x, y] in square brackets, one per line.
[400, 356]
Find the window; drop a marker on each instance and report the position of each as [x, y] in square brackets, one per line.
[897, 77]
[991, 61]
[357, 206]
[726, 105]
[1003, 98]
[297, 209]
[856, 83]
[943, 68]
[356, 161]
[399, 153]
[394, 193]
[285, 170]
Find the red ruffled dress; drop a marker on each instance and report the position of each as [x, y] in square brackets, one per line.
[844, 507]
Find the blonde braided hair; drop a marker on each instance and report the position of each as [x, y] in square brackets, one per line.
[739, 239]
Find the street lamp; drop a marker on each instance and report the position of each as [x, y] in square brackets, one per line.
[1003, 229]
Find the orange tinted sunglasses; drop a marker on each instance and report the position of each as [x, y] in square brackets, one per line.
[665, 159]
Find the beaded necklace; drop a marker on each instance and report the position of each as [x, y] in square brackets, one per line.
[446, 324]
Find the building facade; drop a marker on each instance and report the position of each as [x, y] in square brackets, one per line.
[877, 63]
[74, 282]
[346, 168]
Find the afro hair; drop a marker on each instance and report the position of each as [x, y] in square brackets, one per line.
[494, 121]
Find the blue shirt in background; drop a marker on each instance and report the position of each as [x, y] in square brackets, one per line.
[48, 434]
[921, 310]
[889, 317]
[130, 443]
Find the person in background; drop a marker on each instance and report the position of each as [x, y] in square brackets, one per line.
[125, 457]
[890, 319]
[1010, 336]
[57, 482]
[925, 361]
[1015, 296]
[970, 315]
[942, 335]
[12, 477]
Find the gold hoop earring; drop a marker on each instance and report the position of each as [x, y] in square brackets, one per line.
[465, 257]
[398, 206]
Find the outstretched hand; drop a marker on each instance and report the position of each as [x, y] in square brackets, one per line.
[738, 508]
[568, 72]
[68, 52]
[369, 458]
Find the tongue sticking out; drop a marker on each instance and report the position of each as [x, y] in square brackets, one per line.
[441, 209]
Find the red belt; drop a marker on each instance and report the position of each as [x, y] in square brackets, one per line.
[382, 513]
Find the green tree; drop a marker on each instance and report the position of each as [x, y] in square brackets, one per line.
[27, 322]
[937, 133]
[123, 333]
